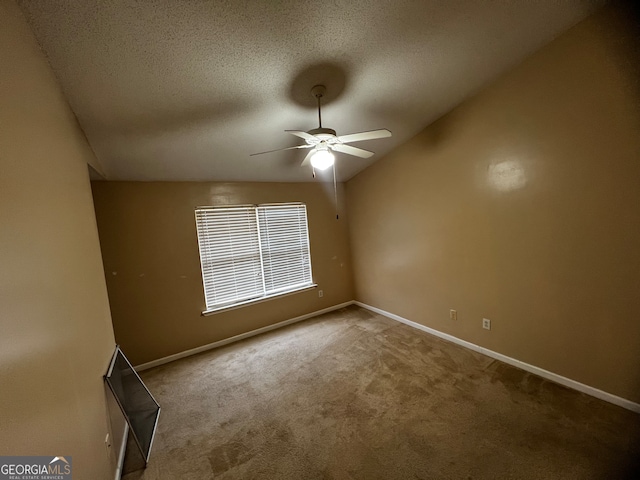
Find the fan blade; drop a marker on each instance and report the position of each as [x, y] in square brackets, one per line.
[307, 159]
[370, 135]
[349, 150]
[301, 134]
[282, 149]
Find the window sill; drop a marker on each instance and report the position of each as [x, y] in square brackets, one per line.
[253, 301]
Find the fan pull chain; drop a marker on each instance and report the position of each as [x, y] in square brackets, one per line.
[335, 190]
[319, 115]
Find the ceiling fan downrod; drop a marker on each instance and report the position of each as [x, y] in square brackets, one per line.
[318, 91]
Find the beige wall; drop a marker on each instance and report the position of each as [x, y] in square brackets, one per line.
[522, 206]
[150, 252]
[56, 337]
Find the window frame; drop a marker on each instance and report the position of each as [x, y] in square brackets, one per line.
[257, 236]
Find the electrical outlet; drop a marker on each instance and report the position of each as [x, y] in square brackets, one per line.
[486, 324]
[320, 293]
[453, 315]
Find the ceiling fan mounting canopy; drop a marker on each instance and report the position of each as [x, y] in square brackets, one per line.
[324, 139]
[318, 91]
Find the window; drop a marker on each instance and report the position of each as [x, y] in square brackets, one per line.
[250, 252]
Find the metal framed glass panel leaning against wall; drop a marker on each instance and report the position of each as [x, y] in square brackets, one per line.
[252, 252]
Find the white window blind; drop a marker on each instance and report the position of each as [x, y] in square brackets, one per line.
[285, 247]
[252, 252]
[229, 254]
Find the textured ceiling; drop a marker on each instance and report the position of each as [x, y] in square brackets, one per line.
[186, 90]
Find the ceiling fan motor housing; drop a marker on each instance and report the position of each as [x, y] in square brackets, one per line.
[322, 134]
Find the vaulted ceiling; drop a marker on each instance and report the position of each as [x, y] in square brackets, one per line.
[187, 90]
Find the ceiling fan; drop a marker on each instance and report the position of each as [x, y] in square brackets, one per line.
[321, 141]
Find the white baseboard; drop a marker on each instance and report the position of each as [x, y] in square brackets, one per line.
[123, 449]
[236, 338]
[554, 377]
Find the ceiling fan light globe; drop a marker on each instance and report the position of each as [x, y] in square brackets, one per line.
[322, 159]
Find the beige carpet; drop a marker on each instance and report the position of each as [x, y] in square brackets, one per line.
[355, 395]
